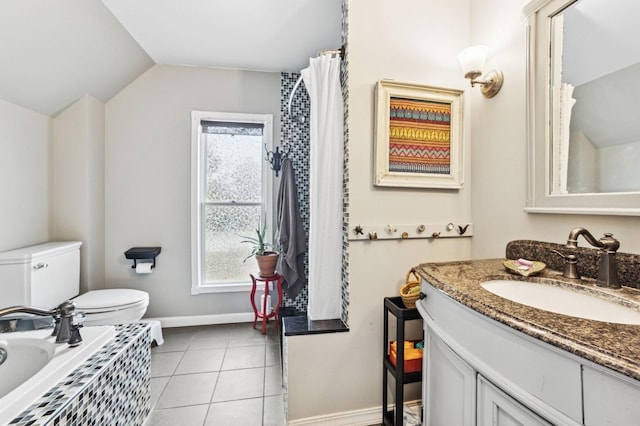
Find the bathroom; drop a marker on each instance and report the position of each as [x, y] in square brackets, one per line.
[410, 41]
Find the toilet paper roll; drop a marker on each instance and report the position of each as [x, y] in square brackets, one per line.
[144, 267]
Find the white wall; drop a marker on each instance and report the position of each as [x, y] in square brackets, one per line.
[498, 149]
[24, 173]
[410, 41]
[498, 129]
[583, 172]
[147, 176]
[77, 187]
[619, 176]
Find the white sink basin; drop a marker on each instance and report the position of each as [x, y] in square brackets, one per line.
[563, 301]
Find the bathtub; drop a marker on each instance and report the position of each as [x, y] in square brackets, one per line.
[35, 363]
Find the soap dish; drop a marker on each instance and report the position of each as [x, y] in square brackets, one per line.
[512, 266]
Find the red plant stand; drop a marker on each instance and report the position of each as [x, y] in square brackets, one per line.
[277, 278]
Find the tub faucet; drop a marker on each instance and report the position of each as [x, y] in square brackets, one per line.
[608, 274]
[65, 330]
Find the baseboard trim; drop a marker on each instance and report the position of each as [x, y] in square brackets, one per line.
[364, 417]
[193, 320]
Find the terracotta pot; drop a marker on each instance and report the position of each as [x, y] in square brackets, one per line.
[267, 263]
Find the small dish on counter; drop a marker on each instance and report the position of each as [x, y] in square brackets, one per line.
[525, 271]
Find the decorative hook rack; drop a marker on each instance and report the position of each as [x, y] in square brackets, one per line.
[275, 158]
[404, 232]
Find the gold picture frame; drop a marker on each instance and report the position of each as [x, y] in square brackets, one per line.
[418, 136]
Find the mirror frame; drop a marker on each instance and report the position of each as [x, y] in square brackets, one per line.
[538, 14]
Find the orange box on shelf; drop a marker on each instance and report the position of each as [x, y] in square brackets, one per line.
[412, 356]
[408, 344]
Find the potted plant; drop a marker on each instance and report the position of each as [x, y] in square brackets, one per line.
[264, 252]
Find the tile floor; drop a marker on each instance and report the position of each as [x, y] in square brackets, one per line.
[226, 374]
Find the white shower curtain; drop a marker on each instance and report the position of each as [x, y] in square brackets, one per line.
[322, 80]
[561, 139]
[563, 101]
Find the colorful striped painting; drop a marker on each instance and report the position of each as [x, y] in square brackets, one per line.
[419, 136]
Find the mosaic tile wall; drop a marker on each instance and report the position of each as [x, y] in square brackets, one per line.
[344, 78]
[294, 137]
[110, 388]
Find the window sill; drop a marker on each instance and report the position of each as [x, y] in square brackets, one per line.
[223, 288]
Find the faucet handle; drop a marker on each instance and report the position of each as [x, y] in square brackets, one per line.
[609, 243]
[56, 324]
[570, 266]
[77, 321]
[74, 336]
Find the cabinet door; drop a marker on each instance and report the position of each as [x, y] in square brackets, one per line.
[450, 386]
[495, 408]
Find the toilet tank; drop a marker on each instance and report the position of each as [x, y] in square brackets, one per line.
[43, 275]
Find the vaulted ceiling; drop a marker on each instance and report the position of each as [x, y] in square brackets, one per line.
[54, 51]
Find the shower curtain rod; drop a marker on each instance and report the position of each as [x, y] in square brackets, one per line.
[332, 52]
[339, 52]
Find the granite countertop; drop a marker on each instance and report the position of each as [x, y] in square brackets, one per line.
[616, 346]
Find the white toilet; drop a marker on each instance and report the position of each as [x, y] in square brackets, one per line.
[47, 274]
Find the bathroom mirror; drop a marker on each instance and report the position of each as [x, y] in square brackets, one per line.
[583, 136]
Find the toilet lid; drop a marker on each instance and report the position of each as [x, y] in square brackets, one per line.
[110, 298]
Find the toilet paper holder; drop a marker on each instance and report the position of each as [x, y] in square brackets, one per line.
[142, 253]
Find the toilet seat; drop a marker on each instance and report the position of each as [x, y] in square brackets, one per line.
[112, 306]
[109, 300]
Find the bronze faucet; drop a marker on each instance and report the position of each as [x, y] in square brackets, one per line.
[65, 330]
[607, 245]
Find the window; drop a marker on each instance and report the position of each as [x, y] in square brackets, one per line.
[231, 194]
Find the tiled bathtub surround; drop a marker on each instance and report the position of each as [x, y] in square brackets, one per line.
[616, 346]
[110, 388]
[588, 259]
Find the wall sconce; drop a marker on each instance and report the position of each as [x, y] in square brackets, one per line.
[472, 61]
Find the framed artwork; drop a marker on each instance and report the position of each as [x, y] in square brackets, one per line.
[418, 136]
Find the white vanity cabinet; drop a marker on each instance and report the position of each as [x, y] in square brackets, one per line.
[478, 371]
[540, 384]
[456, 395]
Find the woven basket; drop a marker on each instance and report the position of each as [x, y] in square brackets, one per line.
[409, 299]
